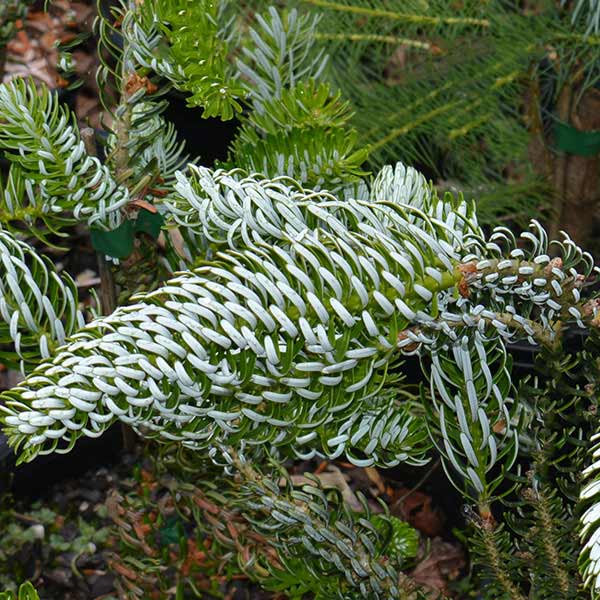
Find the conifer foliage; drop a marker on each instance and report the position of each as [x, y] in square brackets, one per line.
[290, 289]
[475, 92]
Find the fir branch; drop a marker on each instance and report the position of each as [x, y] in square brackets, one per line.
[283, 536]
[470, 388]
[422, 20]
[301, 133]
[586, 11]
[229, 350]
[40, 137]
[455, 127]
[280, 54]
[24, 211]
[495, 555]
[549, 540]
[38, 307]
[207, 338]
[200, 53]
[372, 37]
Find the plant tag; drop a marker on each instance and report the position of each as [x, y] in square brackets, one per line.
[573, 141]
[118, 243]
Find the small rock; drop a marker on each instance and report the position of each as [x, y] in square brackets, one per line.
[59, 576]
[38, 532]
[92, 496]
[101, 585]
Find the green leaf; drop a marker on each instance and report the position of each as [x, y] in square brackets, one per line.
[404, 540]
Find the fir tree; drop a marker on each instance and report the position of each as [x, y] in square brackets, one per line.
[483, 95]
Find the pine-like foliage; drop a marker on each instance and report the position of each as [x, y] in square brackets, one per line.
[38, 307]
[258, 525]
[296, 127]
[287, 335]
[280, 342]
[533, 553]
[59, 178]
[463, 89]
[265, 72]
[588, 13]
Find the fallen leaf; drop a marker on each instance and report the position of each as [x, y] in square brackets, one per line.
[442, 564]
[144, 204]
[375, 477]
[332, 478]
[48, 41]
[416, 508]
[178, 242]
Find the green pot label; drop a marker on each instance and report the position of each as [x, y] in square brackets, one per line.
[573, 141]
[118, 243]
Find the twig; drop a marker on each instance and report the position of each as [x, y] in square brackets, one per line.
[496, 562]
[108, 288]
[419, 483]
[560, 172]
[399, 16]
[385, 39]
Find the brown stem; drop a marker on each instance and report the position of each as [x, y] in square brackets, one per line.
[108, 289]
[563, 107]
[120, 155]
[2, 60]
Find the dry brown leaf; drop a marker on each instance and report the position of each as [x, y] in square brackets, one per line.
[144, 204]
[48, 41]
[417, 509]
[178, 242]
[375, 477]
[332, 478]
[442, 564]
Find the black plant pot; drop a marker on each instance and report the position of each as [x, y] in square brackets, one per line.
[33, 479]
[207, 139]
